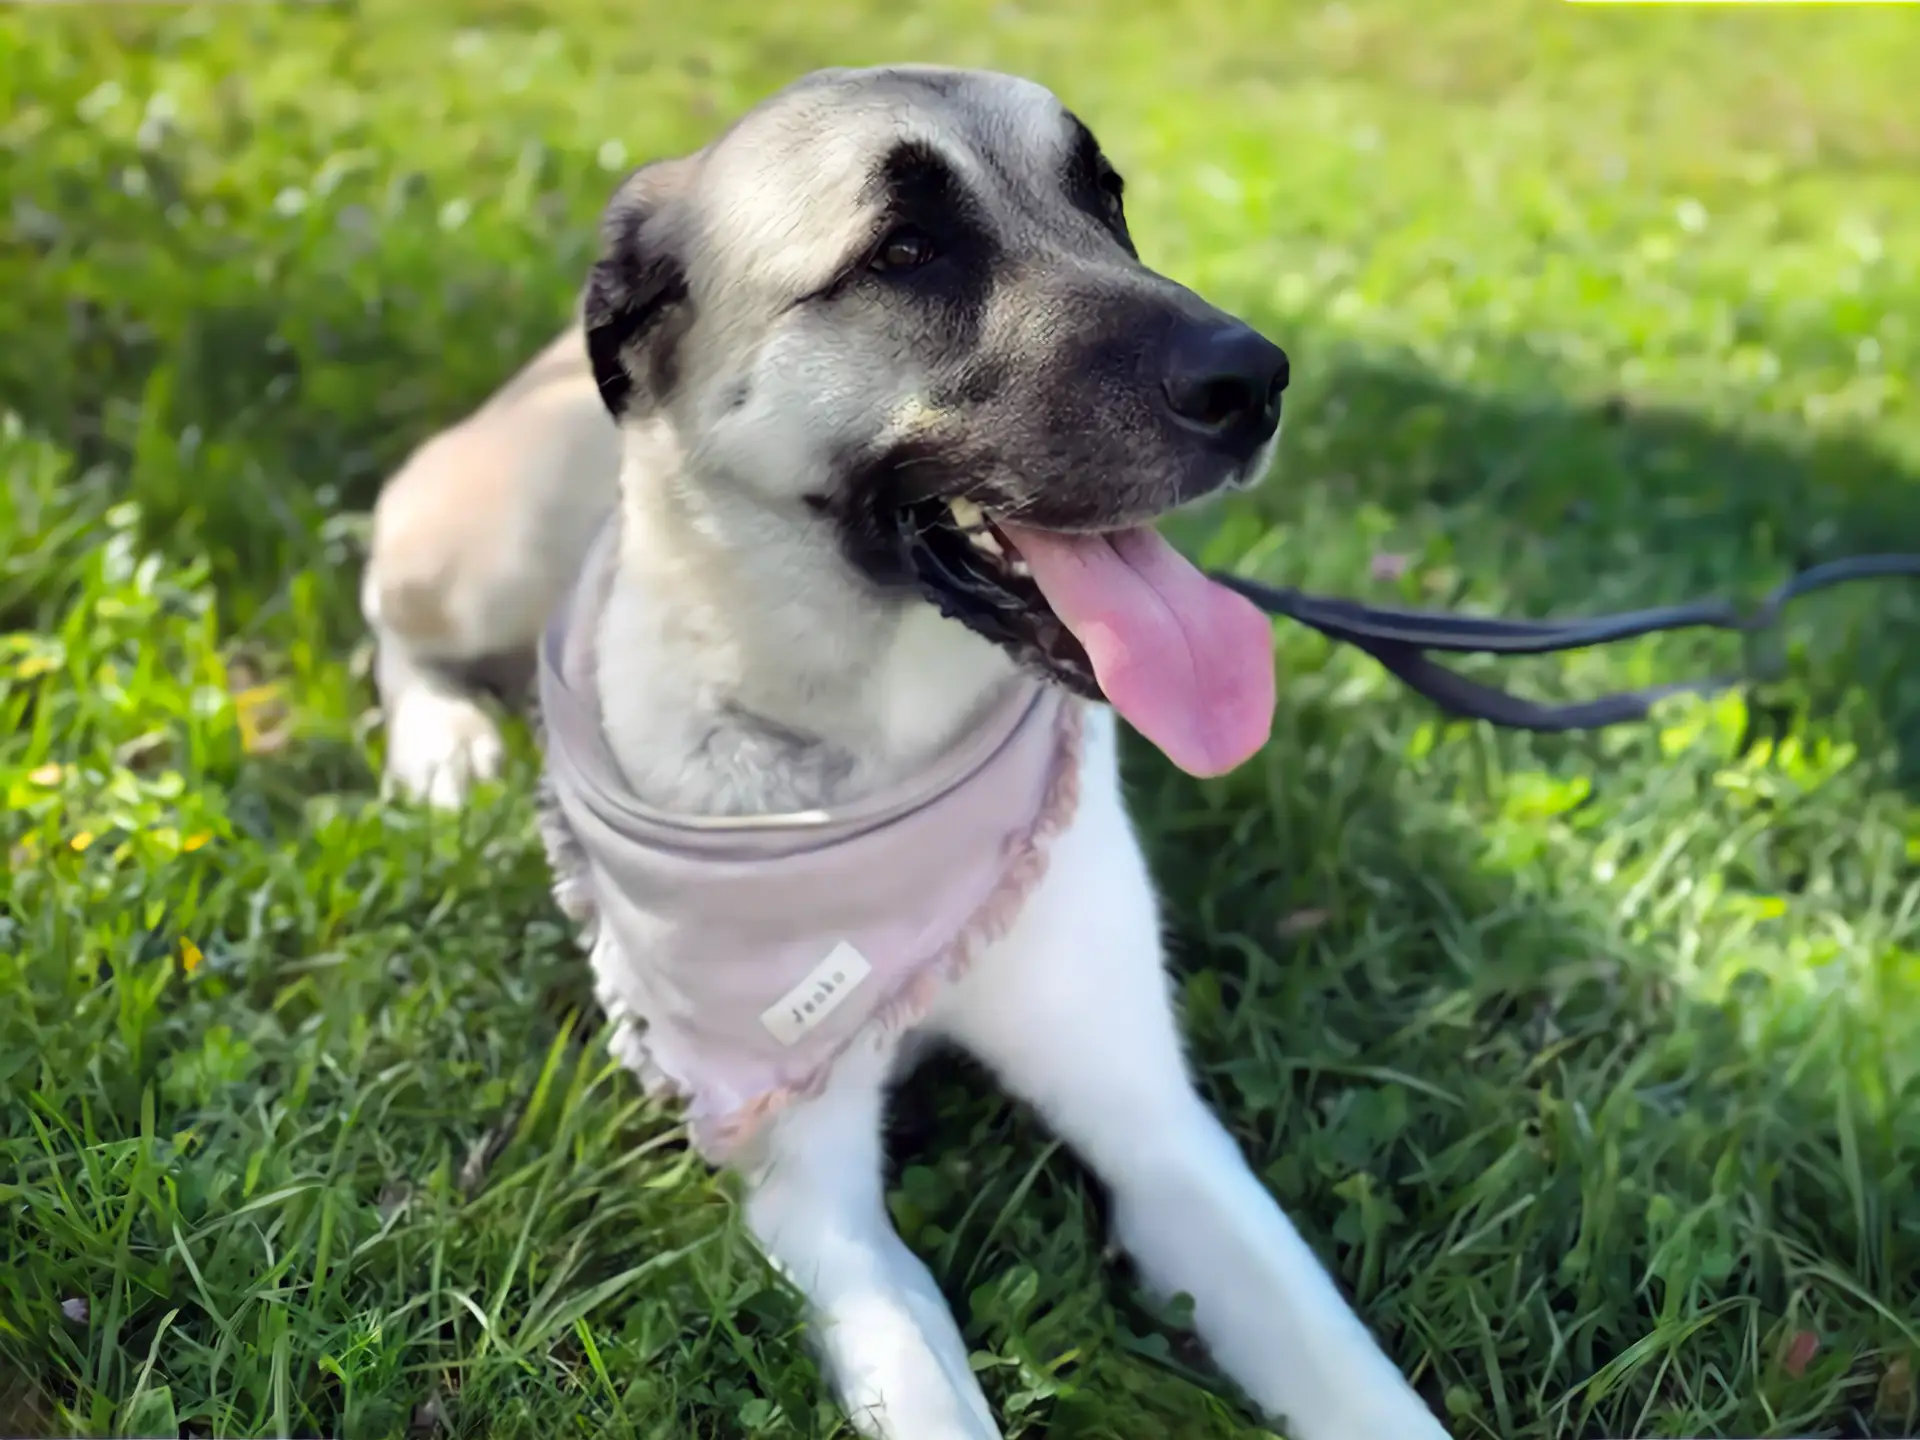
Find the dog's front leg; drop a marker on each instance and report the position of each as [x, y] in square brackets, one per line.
[1074, 1015]
[815, 1202]
[440, 739]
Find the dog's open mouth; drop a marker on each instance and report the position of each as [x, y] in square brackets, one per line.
[966, 565]
[1117, 615]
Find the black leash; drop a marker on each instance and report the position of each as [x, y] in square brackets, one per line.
[1400, 640]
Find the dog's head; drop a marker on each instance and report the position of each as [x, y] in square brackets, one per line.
[902, 307]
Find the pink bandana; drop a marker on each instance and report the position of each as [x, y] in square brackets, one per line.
[748, 953]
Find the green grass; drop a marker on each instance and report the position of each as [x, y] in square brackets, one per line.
[1591, 1065]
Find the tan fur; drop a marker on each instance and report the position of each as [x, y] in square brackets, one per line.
[471, 537]
[746, 664]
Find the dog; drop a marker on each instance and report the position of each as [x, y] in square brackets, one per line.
[827, 532]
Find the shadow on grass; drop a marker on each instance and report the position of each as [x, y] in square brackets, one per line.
[1539, 1153]
[1546, 1041]
[1540, 505]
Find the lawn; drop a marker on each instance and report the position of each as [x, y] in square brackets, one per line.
[1591, 1064]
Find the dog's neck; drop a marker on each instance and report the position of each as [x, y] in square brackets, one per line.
[745, 669]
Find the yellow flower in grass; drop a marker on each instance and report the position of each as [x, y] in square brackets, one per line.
[262, 715]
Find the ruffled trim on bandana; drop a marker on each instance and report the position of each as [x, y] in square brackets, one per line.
[720, 1138]
[913, 998]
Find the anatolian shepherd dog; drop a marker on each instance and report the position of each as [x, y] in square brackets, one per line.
[826, 531]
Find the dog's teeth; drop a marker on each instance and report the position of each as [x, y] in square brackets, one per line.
[1021, 569]
[966, 514]
[986, 540]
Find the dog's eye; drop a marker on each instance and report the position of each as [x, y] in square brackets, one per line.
[905, 249]
[1113, 189]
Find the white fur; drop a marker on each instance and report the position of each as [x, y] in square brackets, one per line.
[1071, 1012]
[745, 669]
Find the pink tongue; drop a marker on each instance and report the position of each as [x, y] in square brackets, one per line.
[1187, 662]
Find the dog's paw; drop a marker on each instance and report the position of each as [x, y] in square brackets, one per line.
[1394, 1412]
[439, 746]
[916, 1398]
[898, 1365]
[1353, 1392]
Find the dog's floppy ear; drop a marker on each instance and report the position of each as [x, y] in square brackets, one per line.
[635, 307]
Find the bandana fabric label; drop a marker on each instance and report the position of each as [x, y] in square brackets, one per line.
[816, 997]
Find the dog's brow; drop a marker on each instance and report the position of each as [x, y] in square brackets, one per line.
[914, 177]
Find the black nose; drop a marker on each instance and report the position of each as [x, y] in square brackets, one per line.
[1224, 381]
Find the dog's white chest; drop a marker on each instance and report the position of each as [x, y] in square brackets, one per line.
[744, 956]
